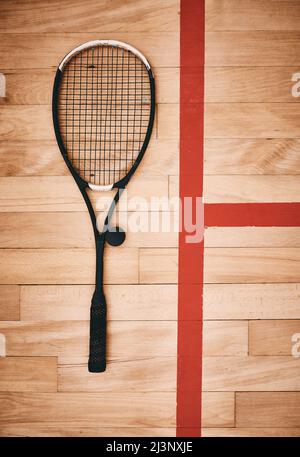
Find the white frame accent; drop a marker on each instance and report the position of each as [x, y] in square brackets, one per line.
[100, 188]
[117, 44]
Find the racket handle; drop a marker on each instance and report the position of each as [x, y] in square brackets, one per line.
[97, 357]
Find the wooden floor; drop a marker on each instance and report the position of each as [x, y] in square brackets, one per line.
[251, 382]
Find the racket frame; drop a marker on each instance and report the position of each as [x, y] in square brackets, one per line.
[98, 296]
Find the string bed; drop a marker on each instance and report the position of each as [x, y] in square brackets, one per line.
[104, 110]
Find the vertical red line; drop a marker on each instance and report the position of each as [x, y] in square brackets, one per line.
[190, 269]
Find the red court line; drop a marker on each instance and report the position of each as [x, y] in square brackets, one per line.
[248, 214]
[190, 264]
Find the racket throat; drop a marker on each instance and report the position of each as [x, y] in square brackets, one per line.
[100, 243]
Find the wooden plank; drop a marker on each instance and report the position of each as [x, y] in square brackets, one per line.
[225, 338]
[9, 303]
[138, 409]
[251, 237]
[252, 48]
[158, 266]
[238, 265]
[157, 374]
[251, 301]
[251, 189]
[34, 86]
[256, 409]
[19, 123]
[90, 16]
[251, 374]
[273, 337]
[218, 409]
[67, 266]
[252, 15]
[27, 158]
[20, 51]
[125, 302]
[249, 84]
[167, 118]
[44, 230]
[28, 374]
[68, 429]
[251, 265]
[245, 189]
[42, 158]
[60, 193]
[252, 156]
[251, 432]
[128, 340]
[252, 120]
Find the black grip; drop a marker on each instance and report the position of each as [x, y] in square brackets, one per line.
[97, 357]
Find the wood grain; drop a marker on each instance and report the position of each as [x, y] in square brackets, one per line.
[158, 266]
[20, 51]
[238, 265]
[218, 409]
[60, 193]
[168, 120]
[9, 303]
[245, 189]
[225, 338]
[157, 374]
[138, 409]
[252, 237]
[227, 156]
[249, 84]
[43, 158]
[251, 265]
[90, 16]
[251, 189]
[127, 340]
[272, 337]
[67, 266]
[125, 302]
[28, 374]
[44, 230]
[251, 374]
[34, 86]
[252, 120]
[71, 429]
[252, 48]
[251, 301]
[256, 409]
[19, 122]
[252, 15]
[251, 432]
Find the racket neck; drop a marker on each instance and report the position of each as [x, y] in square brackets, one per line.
[100, 243]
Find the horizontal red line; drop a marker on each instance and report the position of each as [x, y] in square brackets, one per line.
[252, 214]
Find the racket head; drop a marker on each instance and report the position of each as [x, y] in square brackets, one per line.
[103, 112]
